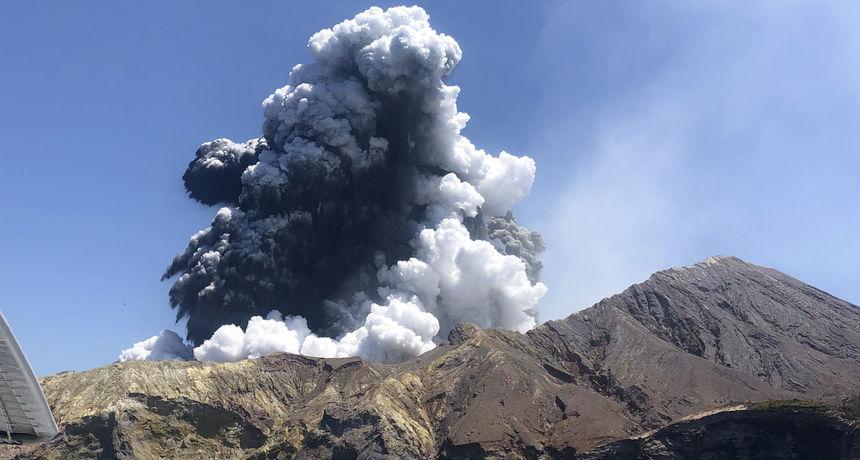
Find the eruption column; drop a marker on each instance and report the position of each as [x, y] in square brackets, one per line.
[361, 213]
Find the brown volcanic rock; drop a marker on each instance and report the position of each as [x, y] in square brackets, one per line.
[755, 320]
[687, 340]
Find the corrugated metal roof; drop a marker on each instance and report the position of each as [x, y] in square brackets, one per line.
[23, 407]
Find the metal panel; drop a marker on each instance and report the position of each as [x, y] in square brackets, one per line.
[23, 407]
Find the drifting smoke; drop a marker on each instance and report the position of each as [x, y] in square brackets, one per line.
[165, 346]
[360, 213]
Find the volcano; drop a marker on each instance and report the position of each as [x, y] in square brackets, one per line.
[720, 357]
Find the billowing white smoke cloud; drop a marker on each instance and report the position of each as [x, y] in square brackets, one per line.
[262, 336]
[165, 346]
[392, 332]
[455, 274]
[459, 279]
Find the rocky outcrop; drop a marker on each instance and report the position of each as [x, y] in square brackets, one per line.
[688, 340]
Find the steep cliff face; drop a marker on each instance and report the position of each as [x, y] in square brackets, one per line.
[719, 333]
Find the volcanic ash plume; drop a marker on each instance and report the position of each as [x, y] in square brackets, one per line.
[361, 213]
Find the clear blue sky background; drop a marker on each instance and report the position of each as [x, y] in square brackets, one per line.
[664, 132]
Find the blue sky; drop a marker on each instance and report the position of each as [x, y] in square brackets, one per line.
[664, 132]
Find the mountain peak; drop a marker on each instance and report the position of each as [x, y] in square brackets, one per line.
[728, 262]
[742, 316]
[717, 259]
[725, 260]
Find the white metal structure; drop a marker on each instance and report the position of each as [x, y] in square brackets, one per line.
[23, 407]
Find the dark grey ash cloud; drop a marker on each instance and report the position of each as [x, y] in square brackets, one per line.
[361, 209]
[215, 174]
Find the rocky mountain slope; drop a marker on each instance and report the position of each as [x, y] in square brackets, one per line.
[774, 431]
[720, 333]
